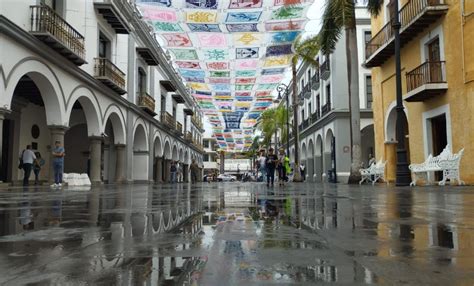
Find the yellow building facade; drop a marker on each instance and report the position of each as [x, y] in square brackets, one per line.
[437, 61]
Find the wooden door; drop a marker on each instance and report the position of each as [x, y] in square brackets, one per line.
[434, 59]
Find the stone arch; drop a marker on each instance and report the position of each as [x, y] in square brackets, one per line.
[186, 157]
[367, 137]
[91, 109]
[48, 84]
[117, 120]
[391, 122]
[319, 146]
[140, 138]
[318, 158]
[158, 145]
[174, 153]
[328, 141]
[140, 153]
[167, 149]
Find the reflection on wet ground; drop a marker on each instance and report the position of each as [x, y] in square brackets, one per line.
[237, 234]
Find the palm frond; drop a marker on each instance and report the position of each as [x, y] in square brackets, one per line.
[374, 7]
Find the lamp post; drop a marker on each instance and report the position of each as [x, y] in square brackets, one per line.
[403, 173]
[284, 88]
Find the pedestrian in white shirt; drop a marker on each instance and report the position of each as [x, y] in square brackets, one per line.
[27, 158]
[261, 164]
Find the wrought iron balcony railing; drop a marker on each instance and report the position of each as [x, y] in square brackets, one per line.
[307, 91]
[189, 136]
[196, 121]
[326, 108]
[110, 75]
[326, 69]
[54, 31]
[179, 128]
[415, 16]
[315, 116]
[147, 102]
[168, 120]
[315, 82]
[426, 80]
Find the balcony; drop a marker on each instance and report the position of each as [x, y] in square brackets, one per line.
[188, 137]
[168, 120]
[197, 122]
[178, 98]
[147, 103]
[415, 16]
[306, 92]
[110, 75]
[113, 16]
[326, 109]
[54, 31]
[426, 81]
[326, 69]
[179, 128]
[315, 82]
[304, 125]
[315, 116]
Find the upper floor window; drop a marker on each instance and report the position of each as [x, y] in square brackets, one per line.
[141, 80]
[309, 75]
[104, 47]
[367, 36]
[328, 93]
[368, 91]
[56, 5]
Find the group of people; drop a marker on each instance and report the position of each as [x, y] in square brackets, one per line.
[176, 172]
[269, 163]
[32, 161]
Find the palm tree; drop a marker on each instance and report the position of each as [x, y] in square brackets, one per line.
[303, 50]
[339, 15]
[272, 121]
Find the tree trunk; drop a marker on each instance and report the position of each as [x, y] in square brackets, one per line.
[296, 170]
[354, 102]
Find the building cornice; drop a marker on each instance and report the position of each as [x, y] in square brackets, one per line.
[28, 41]
[146, 36]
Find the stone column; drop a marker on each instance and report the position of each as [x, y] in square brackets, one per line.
[167, 171]
[57, 134]
[96, 158]
[120, 163]
[159, 170]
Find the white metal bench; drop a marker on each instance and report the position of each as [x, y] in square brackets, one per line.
[373, 173]
[446, 162]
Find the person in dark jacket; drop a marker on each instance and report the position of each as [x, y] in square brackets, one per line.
[270, 164]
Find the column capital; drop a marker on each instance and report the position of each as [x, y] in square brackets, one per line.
[3, 112]
[58, 129]
[95, 138]
[120, 146]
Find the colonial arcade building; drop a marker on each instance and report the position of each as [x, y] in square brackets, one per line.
[90, 74]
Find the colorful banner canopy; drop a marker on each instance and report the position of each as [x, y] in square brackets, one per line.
[231, 53]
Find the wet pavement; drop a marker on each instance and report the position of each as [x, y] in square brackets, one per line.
[237, 234]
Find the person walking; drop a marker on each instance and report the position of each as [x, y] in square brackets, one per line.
[270, 164]
[27, 158]
[37, 165]
[261, 165]
[173, 170]
[303, 172]
[194, 168]
[283, 167]
[58, 164]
